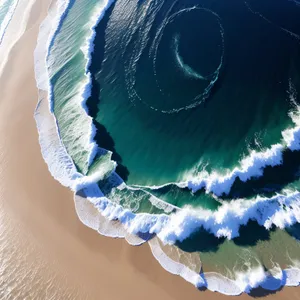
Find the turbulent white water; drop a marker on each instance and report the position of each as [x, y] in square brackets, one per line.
[281, 210]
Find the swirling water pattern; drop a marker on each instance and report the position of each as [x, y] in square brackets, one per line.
[202, 120]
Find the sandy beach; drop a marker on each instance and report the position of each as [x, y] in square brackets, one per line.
[45, 251]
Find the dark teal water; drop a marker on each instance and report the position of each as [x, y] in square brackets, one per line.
[165, 122]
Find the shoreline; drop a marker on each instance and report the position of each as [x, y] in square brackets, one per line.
[42, 215]
[45, 211]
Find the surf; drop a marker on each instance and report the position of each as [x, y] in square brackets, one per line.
[173, 224]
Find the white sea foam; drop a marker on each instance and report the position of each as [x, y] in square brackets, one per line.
[280, 210]
[84, 88]
[60, 164]
[251, 166]
[225, 222]
[88, 49]
[4, 24]
[13, 28]
[175, 267]
[188, 71]
[47, 33]
[240, 282]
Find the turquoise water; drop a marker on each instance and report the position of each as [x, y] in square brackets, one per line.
[66, 68]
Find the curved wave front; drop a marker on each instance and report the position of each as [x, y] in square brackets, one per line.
[107, 204]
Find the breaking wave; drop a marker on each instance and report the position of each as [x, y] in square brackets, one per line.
[173, 224]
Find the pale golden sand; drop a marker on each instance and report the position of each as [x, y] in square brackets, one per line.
[45, 252]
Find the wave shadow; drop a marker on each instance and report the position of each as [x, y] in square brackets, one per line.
[251, 234]
[201, 241]
[294, 231]
[102, 137]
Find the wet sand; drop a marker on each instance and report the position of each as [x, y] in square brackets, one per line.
[45, 251]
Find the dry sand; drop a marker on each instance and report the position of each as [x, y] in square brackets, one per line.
[45, 251]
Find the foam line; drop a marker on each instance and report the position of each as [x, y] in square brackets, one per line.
[88, 50]
[18, 21]
[4, 24]
[48, 32]
[252, 166]
[294, 35]
[188, 71]
[240, 282]
[60, 164]
[271, 280]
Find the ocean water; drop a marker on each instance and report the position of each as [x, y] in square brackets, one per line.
[177, 123]
[4, 9]
[7, 8]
